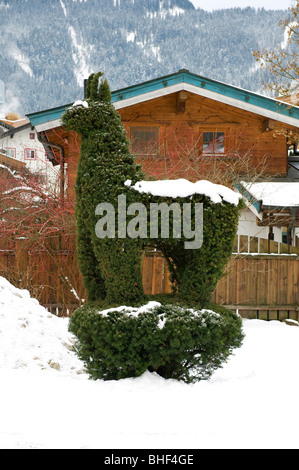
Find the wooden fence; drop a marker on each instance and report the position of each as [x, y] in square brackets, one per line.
[261, 286]
[257, 285]
[256, 245]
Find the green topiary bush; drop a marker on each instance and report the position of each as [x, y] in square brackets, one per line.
[196, 342]
[111, 345]
[175, 341]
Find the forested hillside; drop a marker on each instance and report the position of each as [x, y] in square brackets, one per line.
[47, 48]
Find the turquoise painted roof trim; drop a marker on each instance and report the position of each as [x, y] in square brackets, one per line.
[251, 199]
[221, 88]
[47, 115]
[183, 76]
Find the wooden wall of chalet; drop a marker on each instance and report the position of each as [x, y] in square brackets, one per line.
[180, 141]
[70, 142]
[181, 126]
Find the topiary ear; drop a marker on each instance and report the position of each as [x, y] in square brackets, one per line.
[88, 83]
[92, 86]
[104, 92]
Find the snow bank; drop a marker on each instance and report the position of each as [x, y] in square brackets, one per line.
[249, 403]
[31, 337]
[184, 188]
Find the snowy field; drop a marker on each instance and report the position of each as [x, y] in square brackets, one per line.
[48, 402]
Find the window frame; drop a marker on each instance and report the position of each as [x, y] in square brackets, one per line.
[154, 148]
[41, 176]
[11, 148]
[30, 159]
[212, 152]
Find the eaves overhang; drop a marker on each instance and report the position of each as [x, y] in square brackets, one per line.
[250, 201]
[15, 130]
[187, 81]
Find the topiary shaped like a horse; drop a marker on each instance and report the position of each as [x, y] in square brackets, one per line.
[111, 267]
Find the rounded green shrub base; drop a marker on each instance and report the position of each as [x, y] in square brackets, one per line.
[175, 341]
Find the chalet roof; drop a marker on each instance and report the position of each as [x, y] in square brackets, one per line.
[14, 126]
[275, 203]
[8, 162]
[271, 194]
[187, 81]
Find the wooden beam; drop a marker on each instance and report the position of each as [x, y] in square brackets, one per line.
[278, 218]
[181, 101]
[11, 162]
[269, 125]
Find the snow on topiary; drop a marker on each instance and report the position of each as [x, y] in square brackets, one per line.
[195, 272]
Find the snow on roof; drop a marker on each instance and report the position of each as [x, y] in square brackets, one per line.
[277, 194]
[16, 123]
[184, 188]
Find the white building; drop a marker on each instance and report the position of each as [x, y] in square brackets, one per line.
[272, 211]
[19, 140]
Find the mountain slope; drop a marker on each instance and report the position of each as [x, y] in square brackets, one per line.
[46, 53]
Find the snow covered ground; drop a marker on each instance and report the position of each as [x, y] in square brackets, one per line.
[48, 402]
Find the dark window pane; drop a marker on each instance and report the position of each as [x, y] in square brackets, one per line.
[214, 142]
[144, 140]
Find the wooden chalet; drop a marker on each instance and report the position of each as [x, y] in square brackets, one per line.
[174, 120]
[182, 124]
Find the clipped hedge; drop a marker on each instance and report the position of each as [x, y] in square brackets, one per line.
[174, 341]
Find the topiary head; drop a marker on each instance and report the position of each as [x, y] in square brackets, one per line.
[88, 115]
[96, 91]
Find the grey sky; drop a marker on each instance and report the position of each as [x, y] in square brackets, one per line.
[210, 5]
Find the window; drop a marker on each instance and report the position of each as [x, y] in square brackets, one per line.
[213, 143]
[10, 152]
[144, 140]
[293, 150]
[29, 154]
[32, 136]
